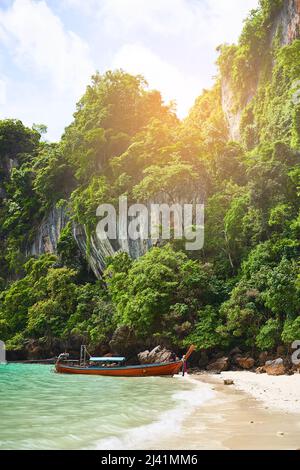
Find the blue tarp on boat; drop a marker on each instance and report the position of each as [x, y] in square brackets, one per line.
[107, 359]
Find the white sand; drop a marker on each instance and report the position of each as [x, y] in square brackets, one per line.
[281, 393]
[259, 412]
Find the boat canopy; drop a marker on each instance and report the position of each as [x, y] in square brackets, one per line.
[107, 359]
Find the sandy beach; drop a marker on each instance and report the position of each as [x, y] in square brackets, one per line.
[280, 393]
[258, 412]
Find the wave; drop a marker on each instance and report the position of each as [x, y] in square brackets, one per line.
[168, 423]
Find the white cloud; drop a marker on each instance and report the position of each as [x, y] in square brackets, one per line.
[160, 75]
[184, 36]
[201, 20]
[47, 65]
[53, 66]
[84, 6]
[2, 91]
[160, 16]
[204, 19]
[38, 41]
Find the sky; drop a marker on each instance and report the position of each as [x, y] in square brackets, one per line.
[50, 48]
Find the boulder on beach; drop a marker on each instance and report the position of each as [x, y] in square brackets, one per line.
[157, 355]
[276, 367]
[260, 370]
[245, 362]
[228, 382]
[219, 365]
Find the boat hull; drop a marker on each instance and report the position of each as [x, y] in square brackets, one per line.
[146, 370]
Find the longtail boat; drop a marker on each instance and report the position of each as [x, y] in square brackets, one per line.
[116, 367]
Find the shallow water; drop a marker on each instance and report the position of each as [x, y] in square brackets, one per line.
[40, 409]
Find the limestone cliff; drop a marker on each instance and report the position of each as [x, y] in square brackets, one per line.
[286, 25]
[96, 251]
[48, 232]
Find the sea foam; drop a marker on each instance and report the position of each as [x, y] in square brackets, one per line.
[168, 423]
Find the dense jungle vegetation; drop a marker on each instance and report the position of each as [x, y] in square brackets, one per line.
[242, 288]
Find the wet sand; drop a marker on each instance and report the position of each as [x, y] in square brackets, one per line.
[233, 419]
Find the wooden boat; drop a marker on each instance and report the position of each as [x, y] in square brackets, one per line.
[115, 366]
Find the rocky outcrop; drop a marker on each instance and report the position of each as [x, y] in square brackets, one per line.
[96, 251]
[287, 23]
[125, 343]
[276, 367]
[157, 355]
[219, 365]
[233, 115]
[245, 362]
[48, 232]
[6, 165]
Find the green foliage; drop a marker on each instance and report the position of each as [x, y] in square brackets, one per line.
[269, 335]
[291, 331]
[17, 142]
[170, 180]
[85, 201]
[22, 294]
[205, 334]
[48, 303]
[282, 295]
[70, 255]
[53, 179]
[161, 292]
[114, 108]
[243, 287]
[93, 318]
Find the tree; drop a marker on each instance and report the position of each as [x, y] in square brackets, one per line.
[269, 335]
[160, 293]
[115, 107]
[205, 334]
[17, 142]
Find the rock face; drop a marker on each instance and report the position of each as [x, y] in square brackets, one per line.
[124, 342]
[287, 22]
[245, 362]
[98, 250]
[276, 367]
[219, 365]
[233, 115]
[47, 234]
[6, 165]
[157, 355]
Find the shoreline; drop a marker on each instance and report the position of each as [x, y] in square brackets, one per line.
[239, 416]
[256, 412]
[281, 393]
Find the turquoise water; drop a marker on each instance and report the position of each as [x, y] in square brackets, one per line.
[40, 409]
